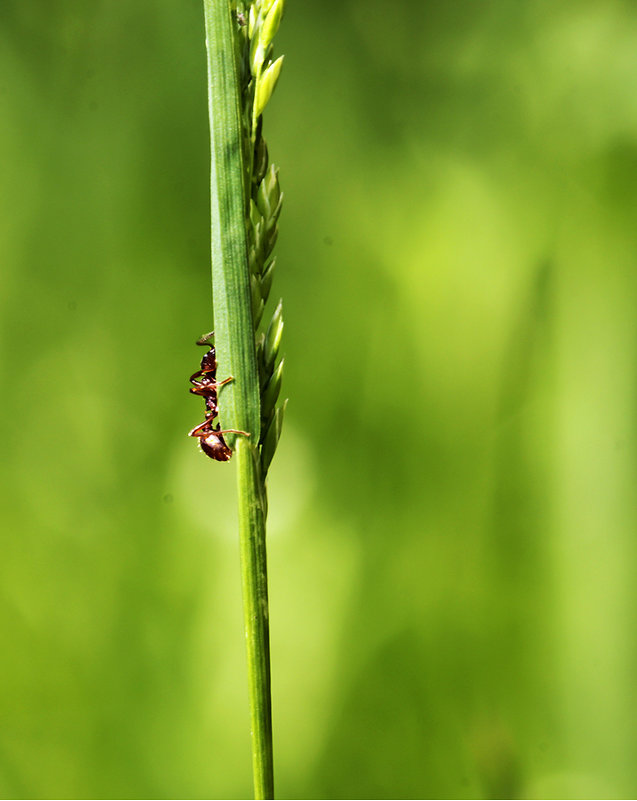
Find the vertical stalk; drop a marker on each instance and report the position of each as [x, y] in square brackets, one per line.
[236, 354]
[256, 616]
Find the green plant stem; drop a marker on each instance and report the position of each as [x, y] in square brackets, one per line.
[239, 403]
[256, 616]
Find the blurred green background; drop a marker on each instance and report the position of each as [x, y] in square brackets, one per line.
[453, 508]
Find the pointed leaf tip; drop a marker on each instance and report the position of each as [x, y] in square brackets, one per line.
[266, 85]
[271, 439]
[273, 337]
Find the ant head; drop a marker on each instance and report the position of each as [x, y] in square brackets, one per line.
[206, 339]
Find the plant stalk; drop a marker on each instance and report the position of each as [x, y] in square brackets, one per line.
[256, 616]
[239, 402]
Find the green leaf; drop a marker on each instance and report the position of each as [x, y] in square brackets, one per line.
[266, 84]
[273, 338]
[271, 439]
[272, 186]
[270, 394]
[271, 24]
[266, 280]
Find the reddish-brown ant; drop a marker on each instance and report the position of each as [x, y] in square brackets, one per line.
[205, 383]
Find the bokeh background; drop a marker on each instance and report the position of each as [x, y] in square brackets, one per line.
[453, 505]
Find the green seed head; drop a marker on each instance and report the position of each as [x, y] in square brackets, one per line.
[261, 20]
[273, 337]
[266, 84]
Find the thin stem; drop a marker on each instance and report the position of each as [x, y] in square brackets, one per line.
[256, 616]
[239, 403]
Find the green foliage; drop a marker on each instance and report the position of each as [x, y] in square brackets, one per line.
[451, 562]
[265, 202]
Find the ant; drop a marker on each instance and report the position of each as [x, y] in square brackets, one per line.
[205, 383]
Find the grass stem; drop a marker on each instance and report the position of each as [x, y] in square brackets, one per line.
[256, 616]
[239, 402]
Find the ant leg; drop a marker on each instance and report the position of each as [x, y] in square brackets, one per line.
[225, 381]
[207, 389]
[201, 388]
[232, 431]
[205, 374]
[207, 383]
[198, 431]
